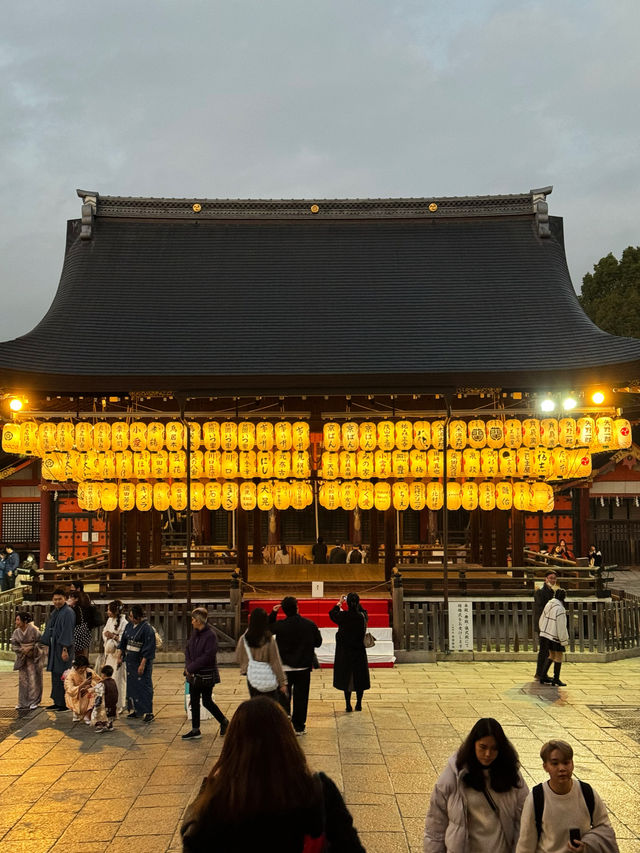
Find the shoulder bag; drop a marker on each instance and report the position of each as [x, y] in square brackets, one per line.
[259, 674]
[369, 639]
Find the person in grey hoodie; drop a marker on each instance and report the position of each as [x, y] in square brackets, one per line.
[477, 801]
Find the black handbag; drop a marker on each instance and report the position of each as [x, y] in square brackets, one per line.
[204, 679]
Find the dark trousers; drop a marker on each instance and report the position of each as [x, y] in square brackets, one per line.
[542, 664]
[277, 695]
[203, 693]
[57, 688]
[298, 689]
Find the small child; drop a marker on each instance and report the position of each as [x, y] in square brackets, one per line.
[106, 702]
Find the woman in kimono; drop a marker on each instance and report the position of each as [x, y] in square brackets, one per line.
[78, 689]
[29, 662]
[111, 636]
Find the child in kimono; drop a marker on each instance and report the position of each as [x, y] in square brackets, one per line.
[79, 686]
[105, 708]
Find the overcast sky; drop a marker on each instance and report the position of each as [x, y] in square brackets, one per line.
[312, 98]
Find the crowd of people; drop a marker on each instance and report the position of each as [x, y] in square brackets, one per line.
[12, 571]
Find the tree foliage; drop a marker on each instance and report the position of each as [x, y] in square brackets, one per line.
[611, 293]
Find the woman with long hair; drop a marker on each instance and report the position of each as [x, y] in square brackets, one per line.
[111, 636]
[259, 644]
[477, 801]
[29, 662]
[350, 667]
[261, 795]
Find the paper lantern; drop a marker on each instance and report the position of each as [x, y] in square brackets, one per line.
[47, 437]
[348, 464]
[89, 496]
[580, 463]
[368, 436]
[350, 437]
[531, 432]
[567, 432]
[229, 464]
[155, 436]
[489, 464]
[434, 495]
[211, 464]
[52, 467]
[622, 431]
[549, 432]
[246, 438]
[282, 435]
[512, 434]
[507, 463]
[418, 463]
[211, 435]
[229, 500]
[137, 436]
[65, 436]
[144, 497]
[102, 437]
[605, 435]
[86, 466]
[84, 436]
[174, 436]
[248, 496]
[422, 435]
[247, 465]
[119, 436]
[264, 436]
[382, 463]
[281, 465]
[197, 464]
[300, 436]
[12, 439]
[495, 434]
[477, 434]
[142, 465]
[178, 464]
[195, 435]
[281, 496]
[365, 495]
[264, 496]
[586, 428]
[329, 495]
[560, 462]
[348, 496]
[454, 464]
[542, 497]
[400, 463]
[107, 465]
[29, 433]
[471, 462]
[264, 463]
[298, 495]
[469, 495]
[404, 435]
[417, 495]
[126, 496]
[486, 496]
[382, 496]
[161, 496]
[543, 462]
[457, 434]
[454, 496]
[159, 463]
[228, 437]
[70, 464]
[526, 462]
[109, 497]
[504, 495]
[386, 435]
[437, 435]
[365, 464]
[124, 465]
[331, 436]
[400, 492]
[435, 463]
[213, 495]
[522, 496]
[178, 495]
[196, 501]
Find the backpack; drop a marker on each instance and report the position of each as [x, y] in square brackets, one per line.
[259, 674]
[538, 802]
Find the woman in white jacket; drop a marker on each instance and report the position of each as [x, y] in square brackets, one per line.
[111, 636]
[554, 636]
[476, 804]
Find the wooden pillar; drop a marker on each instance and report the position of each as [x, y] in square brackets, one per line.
[257, 536]
[144, 527]
[501, 521]
[423, 533]
[517, 538]
[475, 526]
[355, 525]
[207, 536]
[45, 523]
[433, 526]
[241, 544]
[131, 539]
[274, 527]
[156, 537]
[582, 535]
[389, 542]
[115, 541]
[374, 553]
[486, 521]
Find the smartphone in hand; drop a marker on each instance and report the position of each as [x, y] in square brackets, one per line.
[574, 835]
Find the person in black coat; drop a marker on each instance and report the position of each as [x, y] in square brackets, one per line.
[541, 596]
[201, 671]
[350, 667]
[319, 551]
[297, 637]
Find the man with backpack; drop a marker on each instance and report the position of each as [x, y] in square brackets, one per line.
[563, 814]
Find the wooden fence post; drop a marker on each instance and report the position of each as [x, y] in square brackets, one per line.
[235, 599]
[397, 596]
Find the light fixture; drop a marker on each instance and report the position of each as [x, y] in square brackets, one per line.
[597, 397]
[547, 405]
[569, 403]
[16, 404]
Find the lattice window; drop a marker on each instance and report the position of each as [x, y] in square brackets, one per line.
[20, 522]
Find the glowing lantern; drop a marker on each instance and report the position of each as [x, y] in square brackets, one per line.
[605, 432]
[471, 462]
[457, 435]
[454, 496]
[489, 464]
[155, 436]
[211, 463]
[543, 462]
[504, 495]
[469, 495]
[404, 435]
[51, 466]
[107, 465]
[47, 437]
[142, 465]
[229, 464]
[298, 495]
[246, 438]
[247, 465]
[119, 436]
[567, 432]
[531, 432]
[248, 496]
[382, 496]
[622, 430]
[365, 495]
[586, 431]
[264, 436]
[195, 433]
[386, 435]
[477, 434]
[365, 464]
[84, 436]
[418, 463]
[124, 465]
[400, 463]
[102, 437]
[144, 496]
[109, 497]
[264, 496]
[12, 438]
[159, 464]
[400, 493]
[486, 496]
[580, 463]
[526, 462]
[69, 463]
[454, 464]
[368, 436]
[512, 434]
[300, 436]
[197, 464]
[560, 462]
[137, 436]
[329, 495]
[65, 436]
[331, 436]
[174, 436]
[92, 466]
[348, 496]
[89, 496]
[196, 501]
[281, 496]
[30, 431]
[211, 435]
[422, 435]
[281, 465]
[437, 435]
[264, 463]
[350, 437]
[522, 496]
[229, 499]
[178, 495]
[435, 463]
[177, 464]
[161, 496]
[126, 496]
[282, 435]
[542, 497]
[213, 495]
[228, 436]
[495, 434]
[348, 464]
[507, 463]
[417, 495]
[435, 495]
[549, 432]
[382, 463]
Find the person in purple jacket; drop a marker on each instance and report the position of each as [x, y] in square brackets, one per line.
[201, 671]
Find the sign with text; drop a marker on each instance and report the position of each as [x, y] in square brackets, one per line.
[460, 626]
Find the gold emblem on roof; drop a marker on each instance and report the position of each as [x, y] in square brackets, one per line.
[433, 207]
[197, 207]
[314, 208]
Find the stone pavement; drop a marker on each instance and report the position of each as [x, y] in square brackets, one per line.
[64, 788]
